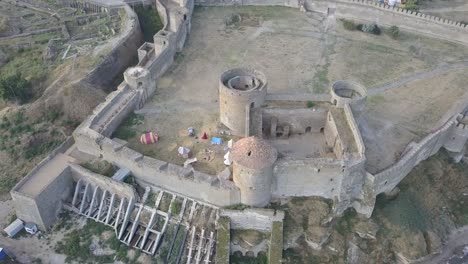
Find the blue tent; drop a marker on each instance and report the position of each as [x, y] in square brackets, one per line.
[3, 254]
[216, 141]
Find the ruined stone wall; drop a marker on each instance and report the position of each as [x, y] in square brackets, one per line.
[371, 11]
[332, 136]
[349, 115]
[457, 139]
[298, 120]
[253, 218]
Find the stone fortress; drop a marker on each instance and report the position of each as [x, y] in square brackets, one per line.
[285, 150]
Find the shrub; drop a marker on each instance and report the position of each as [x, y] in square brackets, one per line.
[15, 87]
[310, 104]
[348, 24]
[371, 28]
[394, 32]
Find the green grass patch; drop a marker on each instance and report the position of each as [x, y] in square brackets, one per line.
[223, 240]
[320, 81]
[260, 259]
[345, 224]
[275, 254]
[348, 24]
[100, 167]
[150, 22]
[176, 206]
[126, 130]
[76, 244]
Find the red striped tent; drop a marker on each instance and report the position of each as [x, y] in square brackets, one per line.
[149, 138]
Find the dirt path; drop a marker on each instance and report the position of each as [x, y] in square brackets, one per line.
[441, 69]
[458, 238]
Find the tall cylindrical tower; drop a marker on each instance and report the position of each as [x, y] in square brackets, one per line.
[253, 160]
[240, 90]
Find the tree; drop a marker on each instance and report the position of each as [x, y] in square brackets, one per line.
[15, 87]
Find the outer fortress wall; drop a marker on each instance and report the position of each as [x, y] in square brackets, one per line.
[93, 134]
[289, 3]
[389, 178]
[344, 180]
[365, 11]
[122, 54]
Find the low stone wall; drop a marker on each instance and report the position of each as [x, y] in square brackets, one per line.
[258, 219]
[103, 182]
[333, 136]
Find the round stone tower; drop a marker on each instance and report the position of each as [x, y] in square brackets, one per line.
[136, 77]
[346, 92]
[253, 160]
[240, 90]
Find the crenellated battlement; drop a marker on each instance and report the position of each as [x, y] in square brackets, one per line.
[409, 13]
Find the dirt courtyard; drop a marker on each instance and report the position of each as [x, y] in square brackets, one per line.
[302, 53]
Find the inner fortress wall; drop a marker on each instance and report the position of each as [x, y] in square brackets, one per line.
[299, 120]
[307, 177]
